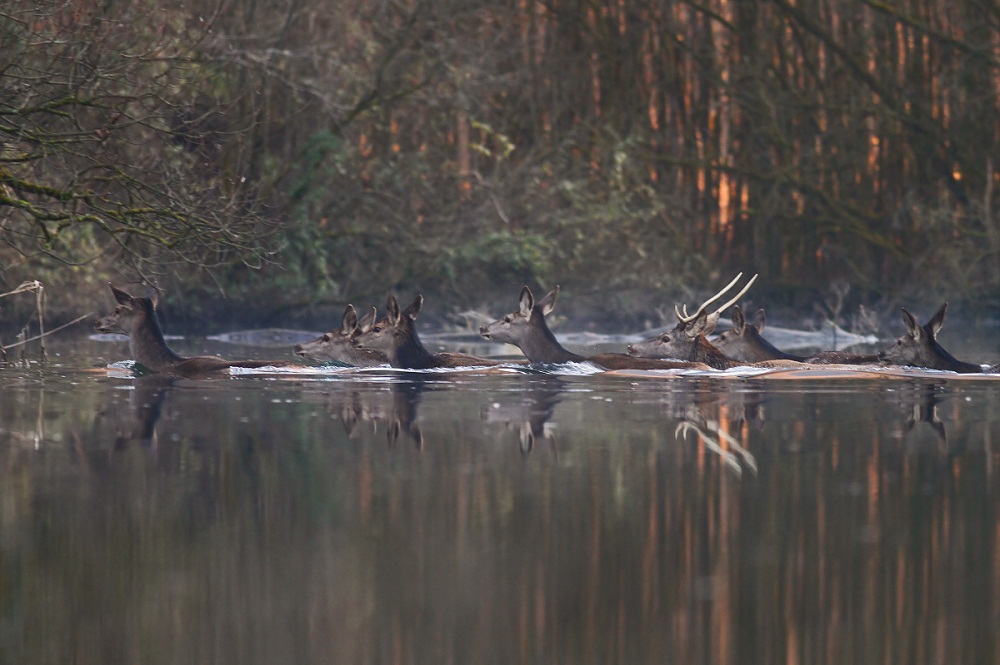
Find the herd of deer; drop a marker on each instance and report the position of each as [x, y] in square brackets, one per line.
[393, 340]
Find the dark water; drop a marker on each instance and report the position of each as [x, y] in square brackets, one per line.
[381, 517]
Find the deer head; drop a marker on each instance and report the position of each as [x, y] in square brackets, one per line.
[918, 347]
[338, 344]
[129, 313]
[393, 332]
[687, 339]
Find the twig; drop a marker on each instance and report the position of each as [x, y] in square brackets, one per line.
[46, 333]
[25, 286]
[39, 295]
[39, 289]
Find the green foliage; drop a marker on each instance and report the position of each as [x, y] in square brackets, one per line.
[496, 260]
[305, 156]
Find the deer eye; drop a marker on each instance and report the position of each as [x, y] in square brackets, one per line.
[377, 329]
[326, 338]
[664, 338]
[506, 319]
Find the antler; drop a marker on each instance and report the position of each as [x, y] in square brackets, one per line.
[685, 318]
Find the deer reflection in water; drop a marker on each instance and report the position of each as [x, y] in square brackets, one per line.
[720, 442]
[393, 407]
[712, 417]
[920, 400]
[530, 412]
[135, 424]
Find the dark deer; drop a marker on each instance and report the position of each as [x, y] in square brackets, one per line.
[136, 317]
[338, 345]
[526, 329]
[688, 339]
[919, 347]
[395, 336]
[743, 345]
[745, 342]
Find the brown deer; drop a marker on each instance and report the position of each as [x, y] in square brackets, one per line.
[526, 329]
[744, 341]
[688, 339]
[918, 347]
[338, 345]
[395, 336]
[741, 346]
[136, 317]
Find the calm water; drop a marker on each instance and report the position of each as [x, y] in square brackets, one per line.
[381, 517]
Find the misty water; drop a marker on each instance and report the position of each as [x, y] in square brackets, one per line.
[511, 516]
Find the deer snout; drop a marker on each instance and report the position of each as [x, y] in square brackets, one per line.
[484, 331]
[298, 350]
[631, 350]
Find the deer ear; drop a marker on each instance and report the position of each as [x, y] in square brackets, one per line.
[526, 303]
[367, 321]
[392, 309]
[934, 325]
[703, 324]
[548, 303]
[413, 308]
[350, 321]
[739, 321]
[760, 320]
[912, 327]
[121, 296]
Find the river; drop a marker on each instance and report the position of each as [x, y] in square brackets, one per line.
[564, 516]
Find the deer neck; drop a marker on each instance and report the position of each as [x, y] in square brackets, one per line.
[941, 359]
[539, 345]
[410, 352]
[706, 352]
[149, 348]
[767, 351]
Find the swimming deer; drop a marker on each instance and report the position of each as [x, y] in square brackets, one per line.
[745, 342]
[741, 346]
[136, 317]
[918, 347]
[338, 345]
[526, 328]
[395, 336]
[688, 339]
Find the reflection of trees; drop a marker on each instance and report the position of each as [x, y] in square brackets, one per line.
[267, 533]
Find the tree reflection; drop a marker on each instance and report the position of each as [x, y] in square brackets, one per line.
[265, 521]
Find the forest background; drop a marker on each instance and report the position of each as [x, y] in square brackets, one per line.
[264, 162]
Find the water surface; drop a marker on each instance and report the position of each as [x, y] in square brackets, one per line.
[404, 517]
